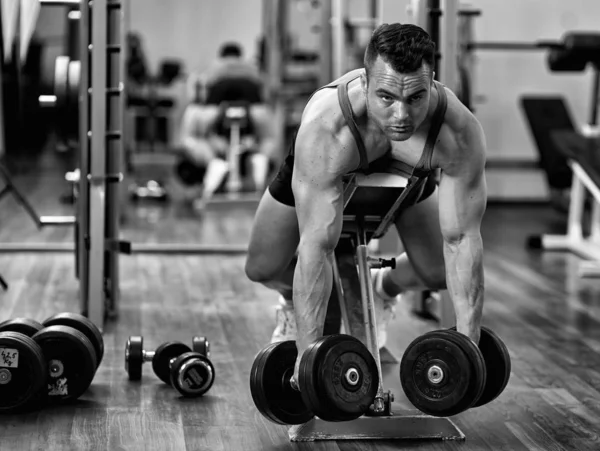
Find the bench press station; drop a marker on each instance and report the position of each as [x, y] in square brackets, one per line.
[582, 152]
[342, 395]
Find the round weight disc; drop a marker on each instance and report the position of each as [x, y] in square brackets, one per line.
[73, 100]
[436, 375]
[165, 353]
[201, 346]
[497, 363]
[22, 371]
[134, 357]
[83, 325]
[61, 81]
[270, 386]
[192, 374]
[71, 361]
[25, 326]
[338, 378]
[477, 366]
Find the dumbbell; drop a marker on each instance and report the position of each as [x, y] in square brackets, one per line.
[73, 348]
[337, 380]
[23, 366]
[189, 371]
[25, 326]
[444, 373]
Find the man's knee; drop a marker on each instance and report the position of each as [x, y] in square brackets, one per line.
[257, 268]
[434, 277]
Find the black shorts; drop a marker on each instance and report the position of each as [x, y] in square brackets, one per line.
[281, 186]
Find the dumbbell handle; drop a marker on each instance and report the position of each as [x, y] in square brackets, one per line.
[47, 101]
[147, 356]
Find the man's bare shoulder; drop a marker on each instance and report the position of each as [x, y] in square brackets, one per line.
[323, 133]
[462, 136]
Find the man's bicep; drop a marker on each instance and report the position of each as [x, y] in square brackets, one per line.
[318, 193]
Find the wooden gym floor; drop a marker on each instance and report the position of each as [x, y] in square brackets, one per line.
[547, 316]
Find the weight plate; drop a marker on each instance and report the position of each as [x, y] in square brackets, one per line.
[134, 357]
[497, 363]
[83, 325]
[192, 374]
[61, 81]
[22, 371]
[72, 112]
[25, 326]
[165, 353]
[338, 378]
[436, 375]
[71, 361]
[201, 346]
[477, 362]
[270, 386]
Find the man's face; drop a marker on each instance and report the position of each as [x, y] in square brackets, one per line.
[396, 102]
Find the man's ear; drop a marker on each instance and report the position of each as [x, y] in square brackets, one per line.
[363, 81]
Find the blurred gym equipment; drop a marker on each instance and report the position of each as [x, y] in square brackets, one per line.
[579, 148]
[149, 122]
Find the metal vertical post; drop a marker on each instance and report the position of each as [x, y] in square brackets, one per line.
[338, 38]
[97, 175]
[115, 148]
[82, 225]
[448, 45]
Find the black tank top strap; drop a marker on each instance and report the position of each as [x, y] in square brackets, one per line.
[424, 165]
[342, 90]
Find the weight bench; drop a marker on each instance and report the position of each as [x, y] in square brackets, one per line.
[582, 152]
[370, 207]
[583, 156]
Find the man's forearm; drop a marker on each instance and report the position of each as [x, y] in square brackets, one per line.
[465, 282]
[312, 288]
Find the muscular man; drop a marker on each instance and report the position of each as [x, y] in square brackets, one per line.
[204, 139]
[392, 109]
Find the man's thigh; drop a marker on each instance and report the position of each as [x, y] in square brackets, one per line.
[275, 235]
[419, 230]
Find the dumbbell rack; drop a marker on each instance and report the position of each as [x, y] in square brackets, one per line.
[101, 104]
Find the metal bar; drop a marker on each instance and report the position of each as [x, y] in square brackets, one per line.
[338, 38]
[36, 247]
[59, 2]
[187, 248]
[136, 248]
[595, 99]
[337, 280]
[115, 154]
[234, 182]
[57, 220]
[449, 45]
[511, 46]
[81, 230]
[97, 206]
[368, 306]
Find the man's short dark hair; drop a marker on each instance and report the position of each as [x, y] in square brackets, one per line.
[230, 49]
[405, 47]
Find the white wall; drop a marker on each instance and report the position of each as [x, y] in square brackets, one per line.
[502, 77]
